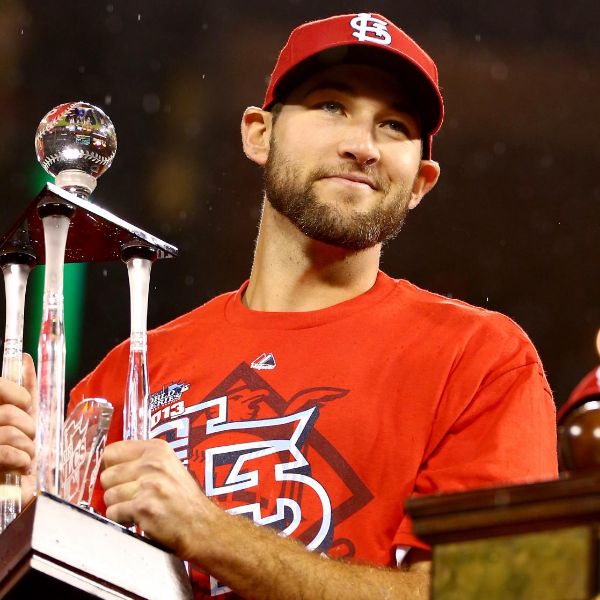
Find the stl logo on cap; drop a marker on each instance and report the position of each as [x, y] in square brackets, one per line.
[369, 29]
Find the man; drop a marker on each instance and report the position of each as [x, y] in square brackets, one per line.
[322, 394]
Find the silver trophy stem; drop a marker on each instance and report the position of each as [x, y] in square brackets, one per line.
[15, 284]
[51, 358]
[135, 410]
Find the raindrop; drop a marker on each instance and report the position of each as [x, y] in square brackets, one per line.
[108, 99]
[109, 8]
[81, 69]
[151, 103]
[189, 280]
[21, 32]
[203, 75]
[204, 26]
[104, 273]
[477, 37]
[183, 215]
[139, 17]
[546, 161]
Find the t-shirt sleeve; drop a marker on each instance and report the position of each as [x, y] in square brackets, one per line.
[504, 432]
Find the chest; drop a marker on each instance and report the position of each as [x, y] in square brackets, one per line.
[349, 400]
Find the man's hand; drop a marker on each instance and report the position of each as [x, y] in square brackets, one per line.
[18, 413]
[145, 483]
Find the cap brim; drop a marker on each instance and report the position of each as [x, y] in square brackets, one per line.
[420, 90]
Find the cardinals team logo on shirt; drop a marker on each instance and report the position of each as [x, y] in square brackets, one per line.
[261, 454]
[370, 29]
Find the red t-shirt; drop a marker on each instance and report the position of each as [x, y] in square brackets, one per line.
[322, 423]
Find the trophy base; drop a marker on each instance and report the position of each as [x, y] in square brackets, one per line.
[59, 550]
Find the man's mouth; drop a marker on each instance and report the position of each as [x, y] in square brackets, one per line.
[354, 179]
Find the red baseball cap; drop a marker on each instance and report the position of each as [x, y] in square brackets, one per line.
[586, 389]
[362, 38]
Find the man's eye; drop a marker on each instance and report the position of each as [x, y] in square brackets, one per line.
[333, 107]
[397, 126]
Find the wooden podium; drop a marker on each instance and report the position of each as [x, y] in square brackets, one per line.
[525, 542]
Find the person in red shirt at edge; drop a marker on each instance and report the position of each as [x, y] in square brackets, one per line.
[323, 393]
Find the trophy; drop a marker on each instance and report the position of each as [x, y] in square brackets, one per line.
[48, 546]
[76, 143]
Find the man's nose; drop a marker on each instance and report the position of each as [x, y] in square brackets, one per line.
[359, 145]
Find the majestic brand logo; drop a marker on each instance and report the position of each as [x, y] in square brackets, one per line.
[370, 29]
[264, 361]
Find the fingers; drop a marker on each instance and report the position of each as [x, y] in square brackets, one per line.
[124, 451]
[11, 436]
[133, 501]
[17, 428]
[135, 475]
[128, 460]
[14, 459]
[12, 416]
[120, 493]
[13, 394]
[17, 421]
[121, 513]
[119, 474]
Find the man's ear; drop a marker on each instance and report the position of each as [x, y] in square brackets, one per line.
[429, 172]
[256, 134]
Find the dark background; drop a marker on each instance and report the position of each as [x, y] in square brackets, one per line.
[512, 225]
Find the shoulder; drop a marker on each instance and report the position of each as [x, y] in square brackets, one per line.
[207, 312]
[470, 330]
[437, 308]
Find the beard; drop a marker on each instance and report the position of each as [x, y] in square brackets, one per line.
[293, 195]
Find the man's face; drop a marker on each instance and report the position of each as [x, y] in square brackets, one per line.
[344, 154]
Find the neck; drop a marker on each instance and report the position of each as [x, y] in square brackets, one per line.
[293, 273]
